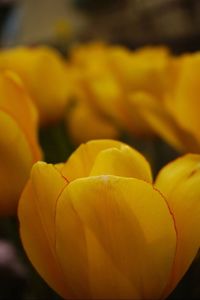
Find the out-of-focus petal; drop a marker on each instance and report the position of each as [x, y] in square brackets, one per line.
[84, 54]
[124, 161]
[84, 124]
[49, 84]
[179, 183]
[15, 160]
[144, 69]
[45, 76]
[162, 122]
[107, 95]
[125, 249]
[37, 210]
[15, 101]
[183, 99]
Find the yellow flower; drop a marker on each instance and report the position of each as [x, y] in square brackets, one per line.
[110, 74]
[18, 142]
[84, 120]
[96, 227]
[94, 78]
[84, 123]
[44, 74]
[143, 69]
[176, 118]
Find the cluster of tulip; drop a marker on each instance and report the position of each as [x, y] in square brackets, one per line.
[148, 91]
[98, 226]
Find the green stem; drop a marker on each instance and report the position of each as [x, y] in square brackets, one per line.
[55, 143]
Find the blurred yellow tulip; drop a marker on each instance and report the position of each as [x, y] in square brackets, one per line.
[108, 75]
[44, 74]
[96, 83]
[176, 118]
[96, 227]
[18, 142]
[143, 69]
[84, 123]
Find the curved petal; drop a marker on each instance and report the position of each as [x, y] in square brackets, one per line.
[15, 161]
[162, 122]
[44, 74]
[143, 69]
[185, 93]
[15, 101]
[36, 213]
[124, 161]
[179, 183]
[115, 238]
[81, 161]
[49, 83]
[84, 124]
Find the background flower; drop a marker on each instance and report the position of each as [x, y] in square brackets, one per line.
[19, 148]
[43, 72]
[107, 76]
[176, 119]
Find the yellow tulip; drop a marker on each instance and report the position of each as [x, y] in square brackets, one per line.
[176, 118]
[45, 76]
[18, 142]
[84, 123]
[143, 69]
[158, 117]
[110, 74]
[183, 97]
[94, 77]
[96, 227]
[84, 119]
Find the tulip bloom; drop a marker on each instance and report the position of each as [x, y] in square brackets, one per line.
[96, 227]
[44, 74]
[109, 75]
[18, 142]
[94, 84]
[176, 118]
[84, 123]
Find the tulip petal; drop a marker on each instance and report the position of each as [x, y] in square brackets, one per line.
[185, 97]
[126, 238]
[179, 183]
[37, 216]
[71, 249]
[39, 68]
[42, 176]
[15, 161]
[84, 123]
[124, 161]
[15, 101]
[108, 97]
[48, 64]
[143, 69]
[162, 122]
[81, 161]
